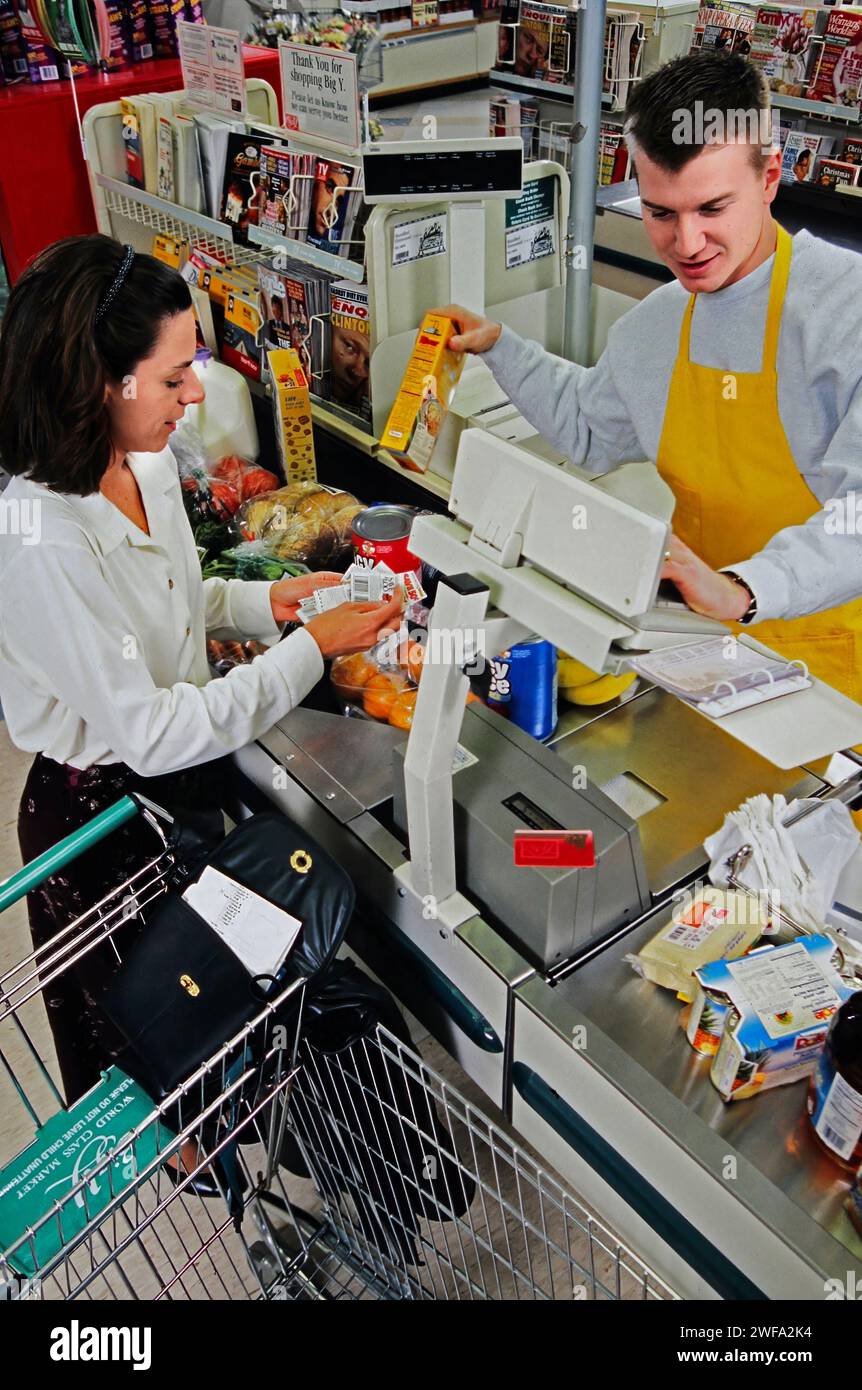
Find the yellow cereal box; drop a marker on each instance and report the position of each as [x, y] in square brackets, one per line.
[421, 405]
[292, 415]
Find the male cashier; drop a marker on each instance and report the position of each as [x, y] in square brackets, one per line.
[742, 379]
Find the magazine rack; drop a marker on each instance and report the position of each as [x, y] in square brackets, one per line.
[132, 215]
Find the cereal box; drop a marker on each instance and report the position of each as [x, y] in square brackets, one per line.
[421, 405]
[292, 415]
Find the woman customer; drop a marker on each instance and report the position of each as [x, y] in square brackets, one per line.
[103, 611]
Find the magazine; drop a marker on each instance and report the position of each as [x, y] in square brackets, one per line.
[729, 27]
[543, 48]
[781, 47]
[623, 37]
[350, 347]
[851, 150]
[335, 200]
[837, 70]
[295, 308]
[800, 154]
[240, 204]
[613, 155]
[274, 186]
[837, 173]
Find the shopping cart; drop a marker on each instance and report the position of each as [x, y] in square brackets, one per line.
[363, 1175]
[421, 1196]
[127, 1221]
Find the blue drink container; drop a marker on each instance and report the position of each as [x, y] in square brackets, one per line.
[524, 686]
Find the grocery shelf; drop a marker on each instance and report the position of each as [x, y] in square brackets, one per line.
[431, 482]
[204, 233]
[564, 91]
[339, 266]
[824, 110]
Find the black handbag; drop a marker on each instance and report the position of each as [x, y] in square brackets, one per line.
[181, 993]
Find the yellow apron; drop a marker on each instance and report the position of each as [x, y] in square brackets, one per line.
[724, 453]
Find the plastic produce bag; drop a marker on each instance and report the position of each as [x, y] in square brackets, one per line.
[252, 560]
[213, 492]
[801, 863]
[384, 683]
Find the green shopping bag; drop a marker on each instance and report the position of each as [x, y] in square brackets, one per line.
[68, 1147]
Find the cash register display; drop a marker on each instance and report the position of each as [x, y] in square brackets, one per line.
[531, 814]
[442, 172]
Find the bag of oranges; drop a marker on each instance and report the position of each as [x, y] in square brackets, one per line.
[383, 683]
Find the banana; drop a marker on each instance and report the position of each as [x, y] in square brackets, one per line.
[571, 672]
[598, 691]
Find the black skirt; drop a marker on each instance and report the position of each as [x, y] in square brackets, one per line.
[57, 800]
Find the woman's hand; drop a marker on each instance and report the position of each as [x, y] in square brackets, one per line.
[474, 333]
[705, 590]
[286, 595]
[354, 627]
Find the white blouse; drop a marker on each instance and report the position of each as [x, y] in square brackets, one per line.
[103, 632]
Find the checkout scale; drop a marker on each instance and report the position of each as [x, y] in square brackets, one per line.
[519, 972]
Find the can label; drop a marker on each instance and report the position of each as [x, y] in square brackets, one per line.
[394, 553]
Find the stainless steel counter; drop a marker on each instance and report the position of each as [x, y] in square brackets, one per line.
[679, 772]
[757, 1152]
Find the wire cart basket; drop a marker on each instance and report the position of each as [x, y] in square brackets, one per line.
[408, 1191]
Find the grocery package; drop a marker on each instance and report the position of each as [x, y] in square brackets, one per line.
[304, 521]
[223, 656]
[835, 1091]
[715, 924]
[421, 405]
[780, 1000]
[225, 419]
[292, 407]
[381, 535]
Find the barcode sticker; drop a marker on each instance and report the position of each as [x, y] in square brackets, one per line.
[360, 587]
[49, 73]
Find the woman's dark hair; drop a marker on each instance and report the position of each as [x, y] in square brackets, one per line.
[57, 358]
[669, 112]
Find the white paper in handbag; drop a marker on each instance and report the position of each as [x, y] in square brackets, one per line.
[259, 933]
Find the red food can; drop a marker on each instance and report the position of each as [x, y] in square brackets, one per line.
[381, 536]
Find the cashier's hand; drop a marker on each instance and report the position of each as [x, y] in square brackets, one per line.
[705, 590]
[354, 627]
[474, 333]
[288, 593]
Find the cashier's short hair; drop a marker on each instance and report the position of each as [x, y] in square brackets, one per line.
[707, 97]
[57, 357]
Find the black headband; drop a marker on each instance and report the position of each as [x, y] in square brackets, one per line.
[119, 281]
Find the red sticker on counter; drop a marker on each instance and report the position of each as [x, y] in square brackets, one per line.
[555, 849]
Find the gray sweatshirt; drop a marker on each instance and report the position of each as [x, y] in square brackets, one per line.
[613, 413]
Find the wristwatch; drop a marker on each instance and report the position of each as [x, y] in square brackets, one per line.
[751, 610]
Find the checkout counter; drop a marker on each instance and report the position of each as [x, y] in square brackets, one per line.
[520, 972]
